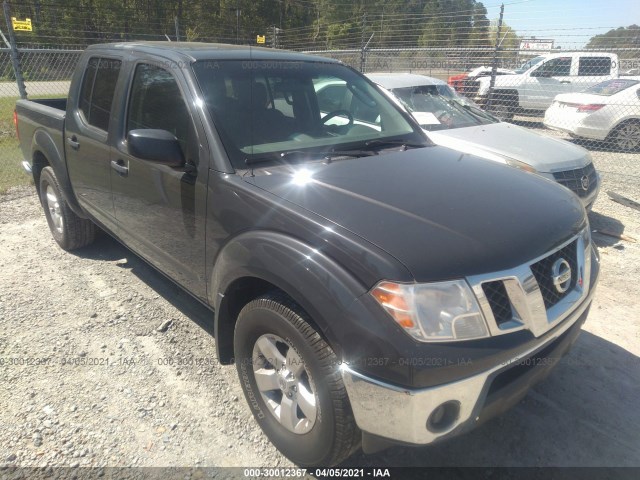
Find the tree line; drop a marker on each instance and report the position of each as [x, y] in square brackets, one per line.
[314, 23]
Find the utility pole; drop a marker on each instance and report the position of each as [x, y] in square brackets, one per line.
[494, 65]
[237, 9]
[237, 21]
[175, 21]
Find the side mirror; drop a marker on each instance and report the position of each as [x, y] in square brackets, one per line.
[158, 146]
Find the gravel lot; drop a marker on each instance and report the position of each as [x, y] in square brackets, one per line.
[106, 363]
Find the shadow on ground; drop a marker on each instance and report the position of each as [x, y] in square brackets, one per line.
[612, 228]
[109, 250]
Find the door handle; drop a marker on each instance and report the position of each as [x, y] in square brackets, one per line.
[120, 167]
[565, 81]
[73, 142]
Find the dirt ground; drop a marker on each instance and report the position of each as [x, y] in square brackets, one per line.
[88, 379]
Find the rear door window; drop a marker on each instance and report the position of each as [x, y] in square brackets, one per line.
[98, 87]
[594, 66]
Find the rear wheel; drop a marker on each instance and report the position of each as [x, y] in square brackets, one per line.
[292, 383]
[67, 229]
[626, 137]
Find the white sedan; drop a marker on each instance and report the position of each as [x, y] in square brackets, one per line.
[609, 111]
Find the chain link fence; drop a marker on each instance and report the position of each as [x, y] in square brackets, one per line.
[587, 96]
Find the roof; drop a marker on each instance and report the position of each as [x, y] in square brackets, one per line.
[402, 80]
[194, 51]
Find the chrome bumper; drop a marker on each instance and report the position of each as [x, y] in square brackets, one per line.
[403, 415]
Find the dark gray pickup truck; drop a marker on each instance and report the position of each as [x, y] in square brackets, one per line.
[370, 287]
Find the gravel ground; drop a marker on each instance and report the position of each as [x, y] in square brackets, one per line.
[106, 363]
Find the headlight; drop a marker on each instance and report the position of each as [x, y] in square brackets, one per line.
[433, 312]
[521, 165]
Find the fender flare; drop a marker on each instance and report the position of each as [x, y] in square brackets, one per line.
[323, 289]
[44, 145]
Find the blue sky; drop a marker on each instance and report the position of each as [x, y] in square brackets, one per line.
[570, 22]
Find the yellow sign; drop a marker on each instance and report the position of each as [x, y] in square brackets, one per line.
[21, 25]
[260, 38]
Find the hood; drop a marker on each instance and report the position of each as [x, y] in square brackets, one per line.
[543, 153]
[441, 213]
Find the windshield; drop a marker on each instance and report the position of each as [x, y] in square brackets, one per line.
[439, 107]
[276, 110]
[527, 65]
[611, 87]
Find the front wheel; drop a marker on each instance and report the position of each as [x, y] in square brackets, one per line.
[67, 229]
[291, 380]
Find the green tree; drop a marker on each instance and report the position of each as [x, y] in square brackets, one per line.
[622, 37]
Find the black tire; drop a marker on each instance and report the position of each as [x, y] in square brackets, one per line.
[626, 136]
[68, 230]
[334, 435]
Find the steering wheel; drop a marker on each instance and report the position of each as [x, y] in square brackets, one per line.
[444, 118]
[337, 113]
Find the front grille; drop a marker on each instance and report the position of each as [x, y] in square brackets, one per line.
[542, 271]
[572, 179]
[498, 300]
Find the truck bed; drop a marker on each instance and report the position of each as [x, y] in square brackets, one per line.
[45, 115]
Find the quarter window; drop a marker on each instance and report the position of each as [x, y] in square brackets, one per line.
[98, 87]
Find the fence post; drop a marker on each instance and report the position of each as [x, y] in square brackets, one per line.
[494, 64]
[362, 45]
[15, 60]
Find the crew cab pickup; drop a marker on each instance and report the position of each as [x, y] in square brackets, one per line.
[532, 87]
[370, 287]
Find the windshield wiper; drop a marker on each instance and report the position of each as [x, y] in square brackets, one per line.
[306, 155]
[478, 114]
[392, 143]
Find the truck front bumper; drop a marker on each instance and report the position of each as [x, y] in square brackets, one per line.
[420, 417]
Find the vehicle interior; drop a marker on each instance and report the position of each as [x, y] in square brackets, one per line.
[278, 107]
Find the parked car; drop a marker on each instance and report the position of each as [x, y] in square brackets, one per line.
[467, 83]
[371, 288]
[454, 121]
[535, 84]
[608, 111]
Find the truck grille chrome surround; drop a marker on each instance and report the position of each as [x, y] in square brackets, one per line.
[538, 295]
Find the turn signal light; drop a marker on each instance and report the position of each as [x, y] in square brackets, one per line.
[391, 298]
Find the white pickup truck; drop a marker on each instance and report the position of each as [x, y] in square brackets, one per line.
[534, 85]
